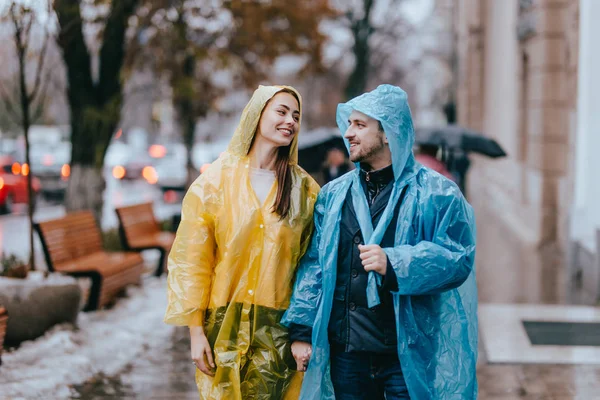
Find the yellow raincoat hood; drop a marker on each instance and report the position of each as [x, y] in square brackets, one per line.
[242, 138]
[232, 267]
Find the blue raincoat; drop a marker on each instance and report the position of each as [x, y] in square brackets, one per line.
[433, 258]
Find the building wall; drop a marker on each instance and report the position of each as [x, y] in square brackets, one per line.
[585, 219]
[514, 77]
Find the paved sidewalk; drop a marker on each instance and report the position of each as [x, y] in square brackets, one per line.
[163, 373]
[167, 373]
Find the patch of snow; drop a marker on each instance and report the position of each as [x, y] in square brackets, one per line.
[103, 342]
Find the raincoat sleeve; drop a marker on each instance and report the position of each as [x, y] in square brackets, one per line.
[307, 288]
[445, 260]
[306, 238]
[191, 261]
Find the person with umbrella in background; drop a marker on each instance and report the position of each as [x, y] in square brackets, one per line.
[335, 165]
[427, 156]
[385, 299]
[455, 143]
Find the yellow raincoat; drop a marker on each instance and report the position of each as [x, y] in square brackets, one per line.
[232, 268]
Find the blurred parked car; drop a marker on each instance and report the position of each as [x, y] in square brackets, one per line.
[163, 165]
[132, 168]
[170, 173]
[51, 165]
[13, 183]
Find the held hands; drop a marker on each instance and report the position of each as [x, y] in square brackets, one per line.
[201, 352]
[373, 258]
[301, 352]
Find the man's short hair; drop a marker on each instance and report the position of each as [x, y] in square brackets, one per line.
[380, 126]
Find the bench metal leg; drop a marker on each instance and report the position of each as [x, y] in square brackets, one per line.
[161, 262]
[94, 299]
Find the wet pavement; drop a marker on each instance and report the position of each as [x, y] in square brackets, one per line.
[167, 373]
[539, 382]
[160, 373]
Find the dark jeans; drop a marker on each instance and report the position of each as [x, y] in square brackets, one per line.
[367, 376]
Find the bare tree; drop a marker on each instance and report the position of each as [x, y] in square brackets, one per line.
[375, 26]
[94, 99]
[30, 95]
[189, 41]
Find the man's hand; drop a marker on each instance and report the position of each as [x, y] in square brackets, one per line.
[301, 352]
[373, 258]
[201, 352]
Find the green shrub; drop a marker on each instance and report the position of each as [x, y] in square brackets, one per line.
[111, 240]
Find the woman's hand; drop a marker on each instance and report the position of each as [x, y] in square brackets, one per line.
[301, 352]
[201, 352]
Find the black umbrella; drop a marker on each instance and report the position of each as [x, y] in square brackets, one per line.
[457, 137]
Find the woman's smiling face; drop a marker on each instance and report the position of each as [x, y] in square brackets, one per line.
[280, 120]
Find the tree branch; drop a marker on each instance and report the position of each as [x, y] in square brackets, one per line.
[41, 60]
[43, 98]
[40, 66]
[112, 53]
[10, 107]
[18, 29]
[75, 52]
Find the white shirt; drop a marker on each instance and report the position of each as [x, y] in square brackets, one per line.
[261, 180]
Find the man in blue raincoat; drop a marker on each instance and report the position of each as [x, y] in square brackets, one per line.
[385, 299]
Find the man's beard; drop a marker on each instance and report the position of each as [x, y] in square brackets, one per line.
[368, 153]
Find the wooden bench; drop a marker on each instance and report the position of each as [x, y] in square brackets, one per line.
[139, 231]
[3, 323]
[73, 245]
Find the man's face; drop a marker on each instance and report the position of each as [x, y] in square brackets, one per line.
[367, 142]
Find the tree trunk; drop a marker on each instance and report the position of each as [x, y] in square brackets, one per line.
[188, 139]
[25, 124]
[95, 106]
[86, 189]
[184, 104]
[91, 132]
[192, 172]
[357, 81]
[361, 30]
[30, 195]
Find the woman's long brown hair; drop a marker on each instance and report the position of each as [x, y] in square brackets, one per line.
[283, 174]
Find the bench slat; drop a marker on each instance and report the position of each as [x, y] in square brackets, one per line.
[140, 230]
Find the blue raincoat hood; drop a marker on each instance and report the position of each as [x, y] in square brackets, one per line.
[433, 259]
[389, 105]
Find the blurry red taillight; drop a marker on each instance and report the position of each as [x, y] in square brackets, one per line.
[65, 171]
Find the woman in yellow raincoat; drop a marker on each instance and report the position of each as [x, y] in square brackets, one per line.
[246, 221]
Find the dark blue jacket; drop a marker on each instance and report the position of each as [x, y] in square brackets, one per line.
[353, 326]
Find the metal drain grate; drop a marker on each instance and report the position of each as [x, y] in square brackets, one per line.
[542, 333]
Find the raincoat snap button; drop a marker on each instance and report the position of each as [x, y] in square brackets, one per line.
[354, 273]
[356, 240]
[250, 292]
[352, 306]
[261, 226]
[246, 166]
